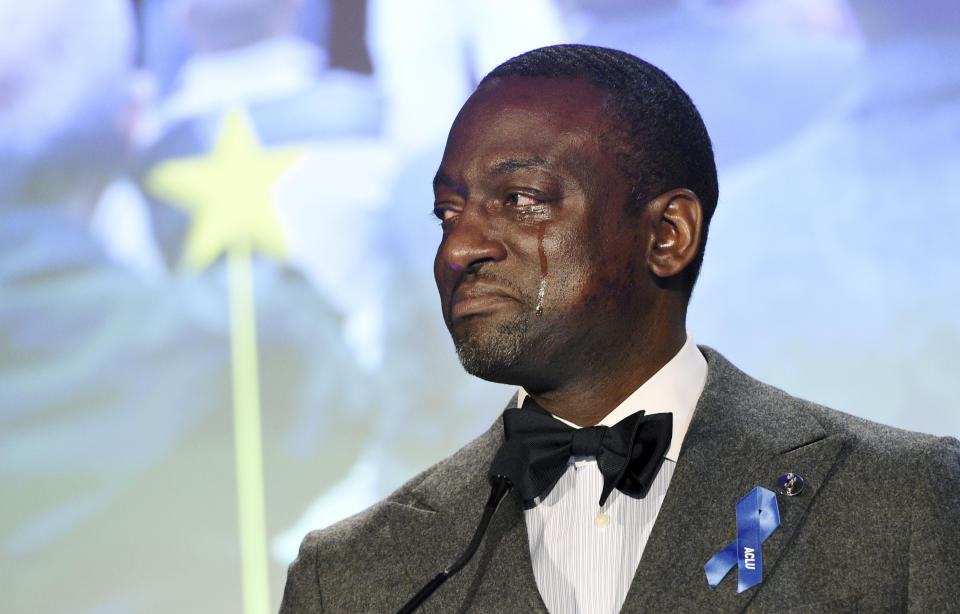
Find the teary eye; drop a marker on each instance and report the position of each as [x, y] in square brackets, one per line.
[443, 213]
[517, 199]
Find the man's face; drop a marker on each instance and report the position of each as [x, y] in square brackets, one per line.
[541, 267]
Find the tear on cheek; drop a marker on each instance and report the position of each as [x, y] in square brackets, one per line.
[541, 231]
[540, 293]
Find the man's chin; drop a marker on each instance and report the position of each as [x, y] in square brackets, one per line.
[490, 353]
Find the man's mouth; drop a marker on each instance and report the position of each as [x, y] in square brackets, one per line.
[476, 298]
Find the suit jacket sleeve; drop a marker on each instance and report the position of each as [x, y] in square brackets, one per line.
[935, 530]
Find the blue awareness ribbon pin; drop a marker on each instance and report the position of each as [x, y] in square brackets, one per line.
[757, 517]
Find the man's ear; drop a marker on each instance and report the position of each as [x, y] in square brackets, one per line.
[677, 217]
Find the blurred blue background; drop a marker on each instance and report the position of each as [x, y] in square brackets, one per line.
[831, 269]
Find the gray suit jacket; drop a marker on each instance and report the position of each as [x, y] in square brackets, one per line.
[876, 528]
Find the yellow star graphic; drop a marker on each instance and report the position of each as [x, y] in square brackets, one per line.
[228, 192]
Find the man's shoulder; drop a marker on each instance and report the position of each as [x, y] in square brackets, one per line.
[876, 443]
[875, 522]
[357, 563]
[449, 483]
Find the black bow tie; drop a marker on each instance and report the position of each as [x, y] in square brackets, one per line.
[629, 453]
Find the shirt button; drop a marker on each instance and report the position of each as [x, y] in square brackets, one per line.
[601, 520]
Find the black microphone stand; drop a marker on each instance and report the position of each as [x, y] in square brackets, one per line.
[503, 466]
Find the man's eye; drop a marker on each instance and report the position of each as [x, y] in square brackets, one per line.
[444, 214]
[522, 200]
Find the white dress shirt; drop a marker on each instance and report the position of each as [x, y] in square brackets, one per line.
[584, 556]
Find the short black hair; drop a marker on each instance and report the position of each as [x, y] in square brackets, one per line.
[663, 143]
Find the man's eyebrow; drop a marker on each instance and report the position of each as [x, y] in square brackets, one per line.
[441, 178]
[501, 167]
[505, 167]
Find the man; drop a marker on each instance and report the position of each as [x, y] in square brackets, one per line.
[575, 193]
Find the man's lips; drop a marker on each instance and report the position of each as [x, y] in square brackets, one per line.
[478, 298]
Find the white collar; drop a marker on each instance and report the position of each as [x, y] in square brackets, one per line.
[675, 388]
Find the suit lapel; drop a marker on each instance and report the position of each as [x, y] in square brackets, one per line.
[434, 526]
[743, 434]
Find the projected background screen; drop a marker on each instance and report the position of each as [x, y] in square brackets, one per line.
[218, 324]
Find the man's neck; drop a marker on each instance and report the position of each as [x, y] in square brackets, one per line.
[586, 401]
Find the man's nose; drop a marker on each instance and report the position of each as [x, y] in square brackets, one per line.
[473, 240]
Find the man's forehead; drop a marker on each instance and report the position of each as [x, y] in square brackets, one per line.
[577, 87]
[515, 123]
[501, 166]
[560, 96]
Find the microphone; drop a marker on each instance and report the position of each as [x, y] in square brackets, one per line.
[502, 475]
